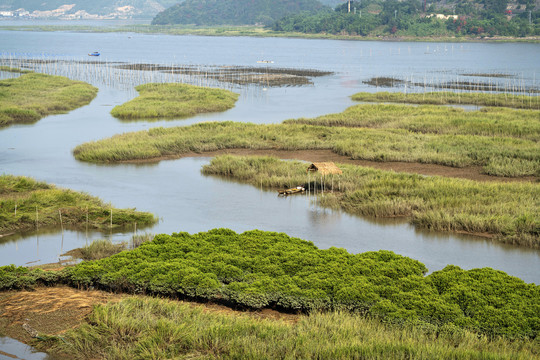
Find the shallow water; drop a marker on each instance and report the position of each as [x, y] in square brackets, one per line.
[184, 199]
[12, 349]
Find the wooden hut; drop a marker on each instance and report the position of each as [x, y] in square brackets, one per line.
[324, 168]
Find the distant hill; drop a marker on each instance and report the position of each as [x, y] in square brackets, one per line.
[77, 9]
[234, 12]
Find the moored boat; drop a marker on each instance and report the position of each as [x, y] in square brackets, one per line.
[290, 191]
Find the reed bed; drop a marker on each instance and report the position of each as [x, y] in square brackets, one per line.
[30, 97]
[173, 101]
[100, 249]
[26, 204]
[14, 70]
[504, 98]
[356, 143]
[498, 122]
[507, 212]
[142, 327]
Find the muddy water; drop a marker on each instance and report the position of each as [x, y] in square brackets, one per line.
[184, 199]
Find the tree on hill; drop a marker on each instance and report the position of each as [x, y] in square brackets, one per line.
[234, 12]
[407, 18]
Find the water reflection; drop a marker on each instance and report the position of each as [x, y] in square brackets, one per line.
[47, 245]
[189, 201]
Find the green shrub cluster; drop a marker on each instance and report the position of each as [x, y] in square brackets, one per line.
[265, 269]
[19, 278]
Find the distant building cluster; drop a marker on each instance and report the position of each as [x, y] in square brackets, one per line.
[443, 17]
[64, 12]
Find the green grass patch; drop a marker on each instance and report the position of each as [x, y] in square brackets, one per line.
[509, 212]
[173, 101]
[14, 70]
[431, 119]
[32, 96]
[147, 328]
[454, 98]
[356, 143]
[259, 269]
[100, 249]
[27, 204]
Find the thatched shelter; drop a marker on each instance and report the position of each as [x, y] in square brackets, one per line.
[324, 168]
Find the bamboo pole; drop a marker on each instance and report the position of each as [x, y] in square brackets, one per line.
[61, 222]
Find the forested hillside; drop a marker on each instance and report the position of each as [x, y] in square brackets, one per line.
[416, 18]
[235, 12]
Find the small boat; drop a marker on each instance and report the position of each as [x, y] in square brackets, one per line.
[95, 53]
[291, 191]
[265, 62]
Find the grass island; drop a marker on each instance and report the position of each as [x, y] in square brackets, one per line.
[32, 96]
[173, 101]
[27, 204]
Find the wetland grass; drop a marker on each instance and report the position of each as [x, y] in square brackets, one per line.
[173, 101]
[31, 96]
[26, 204]
[143, 327]
[14, 70]
[507, 212]
[431, 119]
[357, 143]
[505, 99]
[100, 249]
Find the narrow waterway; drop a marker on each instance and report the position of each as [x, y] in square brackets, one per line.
[184, 199]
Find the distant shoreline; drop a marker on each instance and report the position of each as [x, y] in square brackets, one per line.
[251, 31]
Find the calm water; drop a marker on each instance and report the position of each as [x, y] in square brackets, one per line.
[13, 349]
[184, 199]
